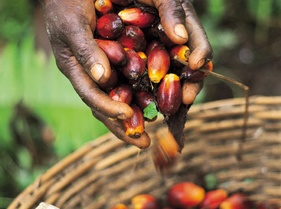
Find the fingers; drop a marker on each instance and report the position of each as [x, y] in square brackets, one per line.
[181, 24]
[88, 90]
[190, 91]
[74, 31]
[172, 18]
[117, 128]
[198, 41]
[90, 55]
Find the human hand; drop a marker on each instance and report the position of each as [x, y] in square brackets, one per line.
[69, 26]
[181, 24]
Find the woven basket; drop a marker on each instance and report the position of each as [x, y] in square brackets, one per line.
[106, 171]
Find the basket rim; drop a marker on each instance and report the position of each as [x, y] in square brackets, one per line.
[106, 142]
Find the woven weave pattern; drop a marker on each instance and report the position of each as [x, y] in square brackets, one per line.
[106, 171]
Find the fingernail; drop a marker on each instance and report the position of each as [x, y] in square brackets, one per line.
[181, 31]
[200, 63]
[122, 116]
[97, 72]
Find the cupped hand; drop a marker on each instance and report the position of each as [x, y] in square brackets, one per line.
[181, 24]
[70, 26]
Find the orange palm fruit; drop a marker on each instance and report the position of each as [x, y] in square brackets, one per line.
[236, 201]
[166, 150]
[158, 63]
[103, 6]
[119, 206]
[185, 195]
[134, 126]
[114, 51]
[213, 199]
[181, 51]
[137, 17]
[167, 142]
[169, 94]
[145, 201]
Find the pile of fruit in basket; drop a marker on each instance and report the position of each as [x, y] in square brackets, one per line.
[148, 69]
[187, 195]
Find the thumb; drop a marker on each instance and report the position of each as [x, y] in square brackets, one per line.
[172, 18]
[90, 55]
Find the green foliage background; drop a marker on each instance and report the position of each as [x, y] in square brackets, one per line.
[30, 76]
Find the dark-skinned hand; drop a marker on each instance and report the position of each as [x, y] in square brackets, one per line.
[69, 25]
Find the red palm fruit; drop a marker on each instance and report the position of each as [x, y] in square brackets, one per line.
[236, 201]
[213, 199]
[151, 45]
[114, 51]
[192, 75]
[195, 75]
[143, 98]
[145, 201]
[111, 82]
[135, 66]
[267, 205]
[122, 93]
[119, 206]
[181, 51]
[103, 7]
[158, 63]
[134, 126]
[110, 26]
[137, 17]
[169, 94]
[132, 37]
[185, 195]
[122, 2]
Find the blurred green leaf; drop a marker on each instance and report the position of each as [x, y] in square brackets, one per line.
[9, 86]
[216, 9]
[73, 126]
[5, 112]
[28, 75]
[220, 39]
[15, 19]
[24, 157]
[5, 202]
